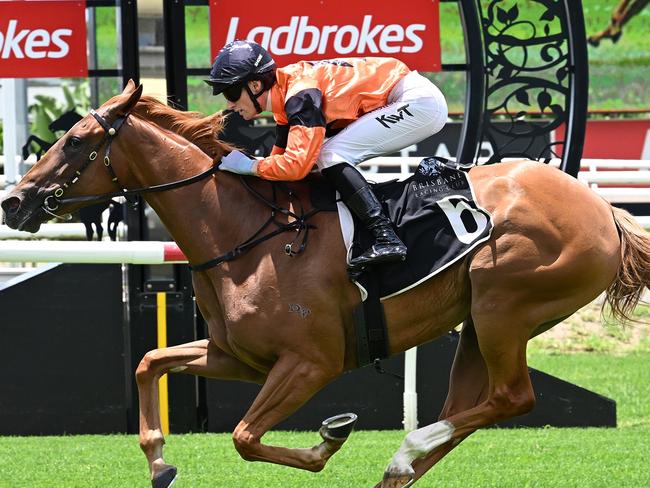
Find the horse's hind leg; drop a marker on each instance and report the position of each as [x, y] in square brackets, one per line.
[622, 14]
[201, 358]
[468, 386]
[509, 393]
[614, 27]
[612, 31]
[632, 9]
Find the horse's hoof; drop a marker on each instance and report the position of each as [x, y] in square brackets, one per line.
[398, 474]
[397, 481]
[165, 478]
[593, 42]
[338, 427]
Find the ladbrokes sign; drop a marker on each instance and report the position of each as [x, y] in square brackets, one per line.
[42, 39]
[294, 30]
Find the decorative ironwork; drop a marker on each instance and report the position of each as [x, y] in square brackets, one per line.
[529, 62]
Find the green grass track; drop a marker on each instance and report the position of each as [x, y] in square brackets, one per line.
[501, 458]
[548, 457]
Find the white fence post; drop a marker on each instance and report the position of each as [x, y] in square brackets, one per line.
[410, 390]
[14, 123]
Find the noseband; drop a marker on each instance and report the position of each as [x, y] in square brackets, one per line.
[53, 201]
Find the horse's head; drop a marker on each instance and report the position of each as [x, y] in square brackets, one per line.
[78, 164]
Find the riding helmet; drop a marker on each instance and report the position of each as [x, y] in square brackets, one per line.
[240, 61]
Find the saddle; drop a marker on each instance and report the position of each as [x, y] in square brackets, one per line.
[435, 215]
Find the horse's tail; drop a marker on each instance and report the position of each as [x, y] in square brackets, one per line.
[634, 271]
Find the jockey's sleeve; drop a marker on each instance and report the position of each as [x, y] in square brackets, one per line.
[304, 138]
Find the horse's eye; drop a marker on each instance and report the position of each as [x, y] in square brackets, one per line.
[75, 142]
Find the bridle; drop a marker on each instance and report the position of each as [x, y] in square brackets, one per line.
[299, 225]
[53, 201]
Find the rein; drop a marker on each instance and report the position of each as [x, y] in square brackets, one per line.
[299, 224]
[110, 133]
[139, 191]
[53, 201]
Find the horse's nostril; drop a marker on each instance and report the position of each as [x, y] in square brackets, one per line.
[11, 205]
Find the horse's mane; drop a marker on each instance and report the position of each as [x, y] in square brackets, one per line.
[202, 131]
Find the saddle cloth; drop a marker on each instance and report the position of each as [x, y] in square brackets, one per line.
[435, 215]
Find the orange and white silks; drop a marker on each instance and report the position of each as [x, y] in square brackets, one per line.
[314, 99]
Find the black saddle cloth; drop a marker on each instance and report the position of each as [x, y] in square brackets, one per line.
[435, 216]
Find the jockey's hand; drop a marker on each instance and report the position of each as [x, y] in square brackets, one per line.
[238, 162]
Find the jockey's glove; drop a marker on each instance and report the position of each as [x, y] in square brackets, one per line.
[238, 162]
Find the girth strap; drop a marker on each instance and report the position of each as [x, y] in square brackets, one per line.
[370, 325]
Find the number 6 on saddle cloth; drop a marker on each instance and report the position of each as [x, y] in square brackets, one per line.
[435, 215]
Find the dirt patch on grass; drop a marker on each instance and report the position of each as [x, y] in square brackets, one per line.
[589, 330]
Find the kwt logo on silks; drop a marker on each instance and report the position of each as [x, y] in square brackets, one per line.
[50, 44]
[312, 31]
[385, 120]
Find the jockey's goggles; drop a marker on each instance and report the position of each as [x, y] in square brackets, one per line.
[233, 92]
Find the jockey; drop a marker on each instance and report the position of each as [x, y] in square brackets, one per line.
[333, 114]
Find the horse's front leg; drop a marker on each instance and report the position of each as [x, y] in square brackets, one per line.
[291, 382]
[201, 358]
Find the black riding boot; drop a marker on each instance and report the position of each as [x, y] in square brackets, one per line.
[359, 198]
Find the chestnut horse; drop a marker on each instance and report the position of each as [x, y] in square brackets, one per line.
[555, 247]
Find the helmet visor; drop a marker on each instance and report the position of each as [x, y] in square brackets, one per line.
[232, 93]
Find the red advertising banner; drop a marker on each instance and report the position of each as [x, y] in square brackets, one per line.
[43, 39]
[614, 139]
[617, 139]
[295, 30]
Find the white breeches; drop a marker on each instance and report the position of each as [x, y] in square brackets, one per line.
[416, 109]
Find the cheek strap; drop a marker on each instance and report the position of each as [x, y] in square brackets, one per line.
[254, 97]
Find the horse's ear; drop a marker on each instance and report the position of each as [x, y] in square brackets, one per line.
[130, 86]
[131, 95]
